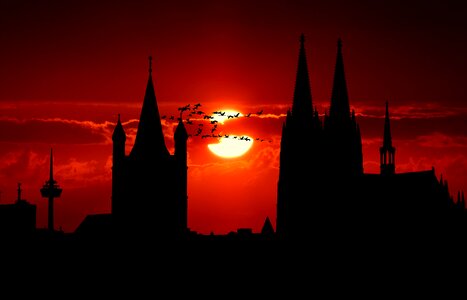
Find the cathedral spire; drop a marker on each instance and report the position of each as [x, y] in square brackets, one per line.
[149, 140]
[302, 107]
[340, 108]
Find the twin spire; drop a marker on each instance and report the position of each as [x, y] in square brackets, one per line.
[340, 108]
[302, 107]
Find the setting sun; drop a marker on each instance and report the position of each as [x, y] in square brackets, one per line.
[223, 115]
[231, 147]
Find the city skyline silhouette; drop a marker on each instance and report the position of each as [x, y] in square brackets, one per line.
[69, 91]
[323, 190]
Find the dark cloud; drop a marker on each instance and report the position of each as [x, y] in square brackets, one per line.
[54, 131]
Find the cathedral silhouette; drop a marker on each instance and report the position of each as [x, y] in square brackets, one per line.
[322, 189]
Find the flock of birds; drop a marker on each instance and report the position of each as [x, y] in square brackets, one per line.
[196, 114]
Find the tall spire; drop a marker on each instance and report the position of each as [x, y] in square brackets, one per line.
[387, 151]
[302, 107]
[149, 140]
[387, 142]
[340, 108]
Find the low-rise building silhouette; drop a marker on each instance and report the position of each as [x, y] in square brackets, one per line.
[17, 220]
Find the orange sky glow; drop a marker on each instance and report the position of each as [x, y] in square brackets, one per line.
[63, 81]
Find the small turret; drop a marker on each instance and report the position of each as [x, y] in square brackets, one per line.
[119, 134]
[119, 139]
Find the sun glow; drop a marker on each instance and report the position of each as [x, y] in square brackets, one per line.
[223, 115]
[230, 147]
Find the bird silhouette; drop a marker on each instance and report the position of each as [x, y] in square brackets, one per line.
[184, 108]
[260, 113]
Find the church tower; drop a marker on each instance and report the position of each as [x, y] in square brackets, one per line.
[343, 141]
[149, 186]
[318, 160]
[387, 151]
[299, 156]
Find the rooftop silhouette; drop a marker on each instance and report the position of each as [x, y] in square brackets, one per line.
[323, 192]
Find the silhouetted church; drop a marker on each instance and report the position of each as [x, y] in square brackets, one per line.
[149, 186]
[322, 186]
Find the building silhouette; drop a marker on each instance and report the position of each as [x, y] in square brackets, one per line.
[17, 220]
[322, 189]
[149, 186]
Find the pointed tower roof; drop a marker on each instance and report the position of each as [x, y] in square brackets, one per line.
[302, 107]
[267, 227]
[387, 142]
[149, 140]
[180, 131]
[119, 133]
[340, 107]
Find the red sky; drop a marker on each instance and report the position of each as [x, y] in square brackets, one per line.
[68, 67]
